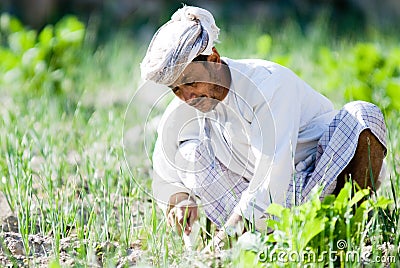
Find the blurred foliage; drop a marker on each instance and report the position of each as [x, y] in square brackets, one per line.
[264, 43]
[368, 71]
[50, 60]
[40, 62]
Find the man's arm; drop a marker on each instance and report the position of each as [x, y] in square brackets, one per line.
[177, 125]
[172, 196]
[166, 182]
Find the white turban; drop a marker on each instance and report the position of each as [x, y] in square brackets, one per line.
[190, 32]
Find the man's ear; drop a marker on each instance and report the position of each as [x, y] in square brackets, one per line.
[214, 57]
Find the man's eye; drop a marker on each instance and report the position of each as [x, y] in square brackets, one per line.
[176, 90]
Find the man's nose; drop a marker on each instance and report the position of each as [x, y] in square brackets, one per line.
[187, 95]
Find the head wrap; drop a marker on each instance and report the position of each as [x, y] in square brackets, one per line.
[190, 32]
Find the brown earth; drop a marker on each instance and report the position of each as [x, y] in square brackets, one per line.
[41, 253]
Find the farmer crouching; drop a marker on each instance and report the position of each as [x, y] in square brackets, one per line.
[242, 134]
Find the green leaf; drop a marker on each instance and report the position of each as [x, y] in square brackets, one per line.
[382, 202]
[70, 30]
[360, 212]
[394, 59]
[22, 41]
[8, 59]
[273, 224]
[10, 24]
[311, 229]
[31, 57]
[46, 36]
[343, 197]
[358, 196]
[286, 220]
[328, 201]
[275, 210]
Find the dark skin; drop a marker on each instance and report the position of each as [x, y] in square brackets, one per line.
[366, 164]
[203, 84]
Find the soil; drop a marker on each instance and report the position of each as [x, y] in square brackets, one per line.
[41, 253]
[13, 252]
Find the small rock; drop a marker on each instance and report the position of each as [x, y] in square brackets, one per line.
[13, 242]
[10, 224]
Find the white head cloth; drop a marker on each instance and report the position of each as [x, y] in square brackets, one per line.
[190, 32]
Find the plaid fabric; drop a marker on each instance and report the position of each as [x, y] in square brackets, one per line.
[336, 148]
[220, 189]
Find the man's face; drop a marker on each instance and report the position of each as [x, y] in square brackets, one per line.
[198, 86]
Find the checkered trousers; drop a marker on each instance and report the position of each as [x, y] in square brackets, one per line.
[220, 189]
[335, 150]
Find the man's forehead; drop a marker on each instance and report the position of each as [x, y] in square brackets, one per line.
[195, 72]
[195, 67]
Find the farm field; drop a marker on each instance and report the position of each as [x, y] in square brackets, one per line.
[75, 152]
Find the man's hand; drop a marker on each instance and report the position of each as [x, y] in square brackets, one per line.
[182, 212]
[233, 226]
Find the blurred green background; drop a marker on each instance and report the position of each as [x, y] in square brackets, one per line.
[346, 49]
[141, 17]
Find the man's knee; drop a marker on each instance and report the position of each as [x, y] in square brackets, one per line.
[360, 106]
[366, 164]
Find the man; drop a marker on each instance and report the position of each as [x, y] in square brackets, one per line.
[242, 134]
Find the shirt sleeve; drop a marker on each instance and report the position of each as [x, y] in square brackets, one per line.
[178, 124]
[273, 136]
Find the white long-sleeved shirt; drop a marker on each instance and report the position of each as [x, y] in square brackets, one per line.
[269, 122]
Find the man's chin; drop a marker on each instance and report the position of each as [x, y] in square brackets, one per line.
[205, 110]
[204, 105]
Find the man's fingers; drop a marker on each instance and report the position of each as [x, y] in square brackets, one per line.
[175, 218]
[189, 224]
[171, 217]
[183, 217]
[192, 216]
